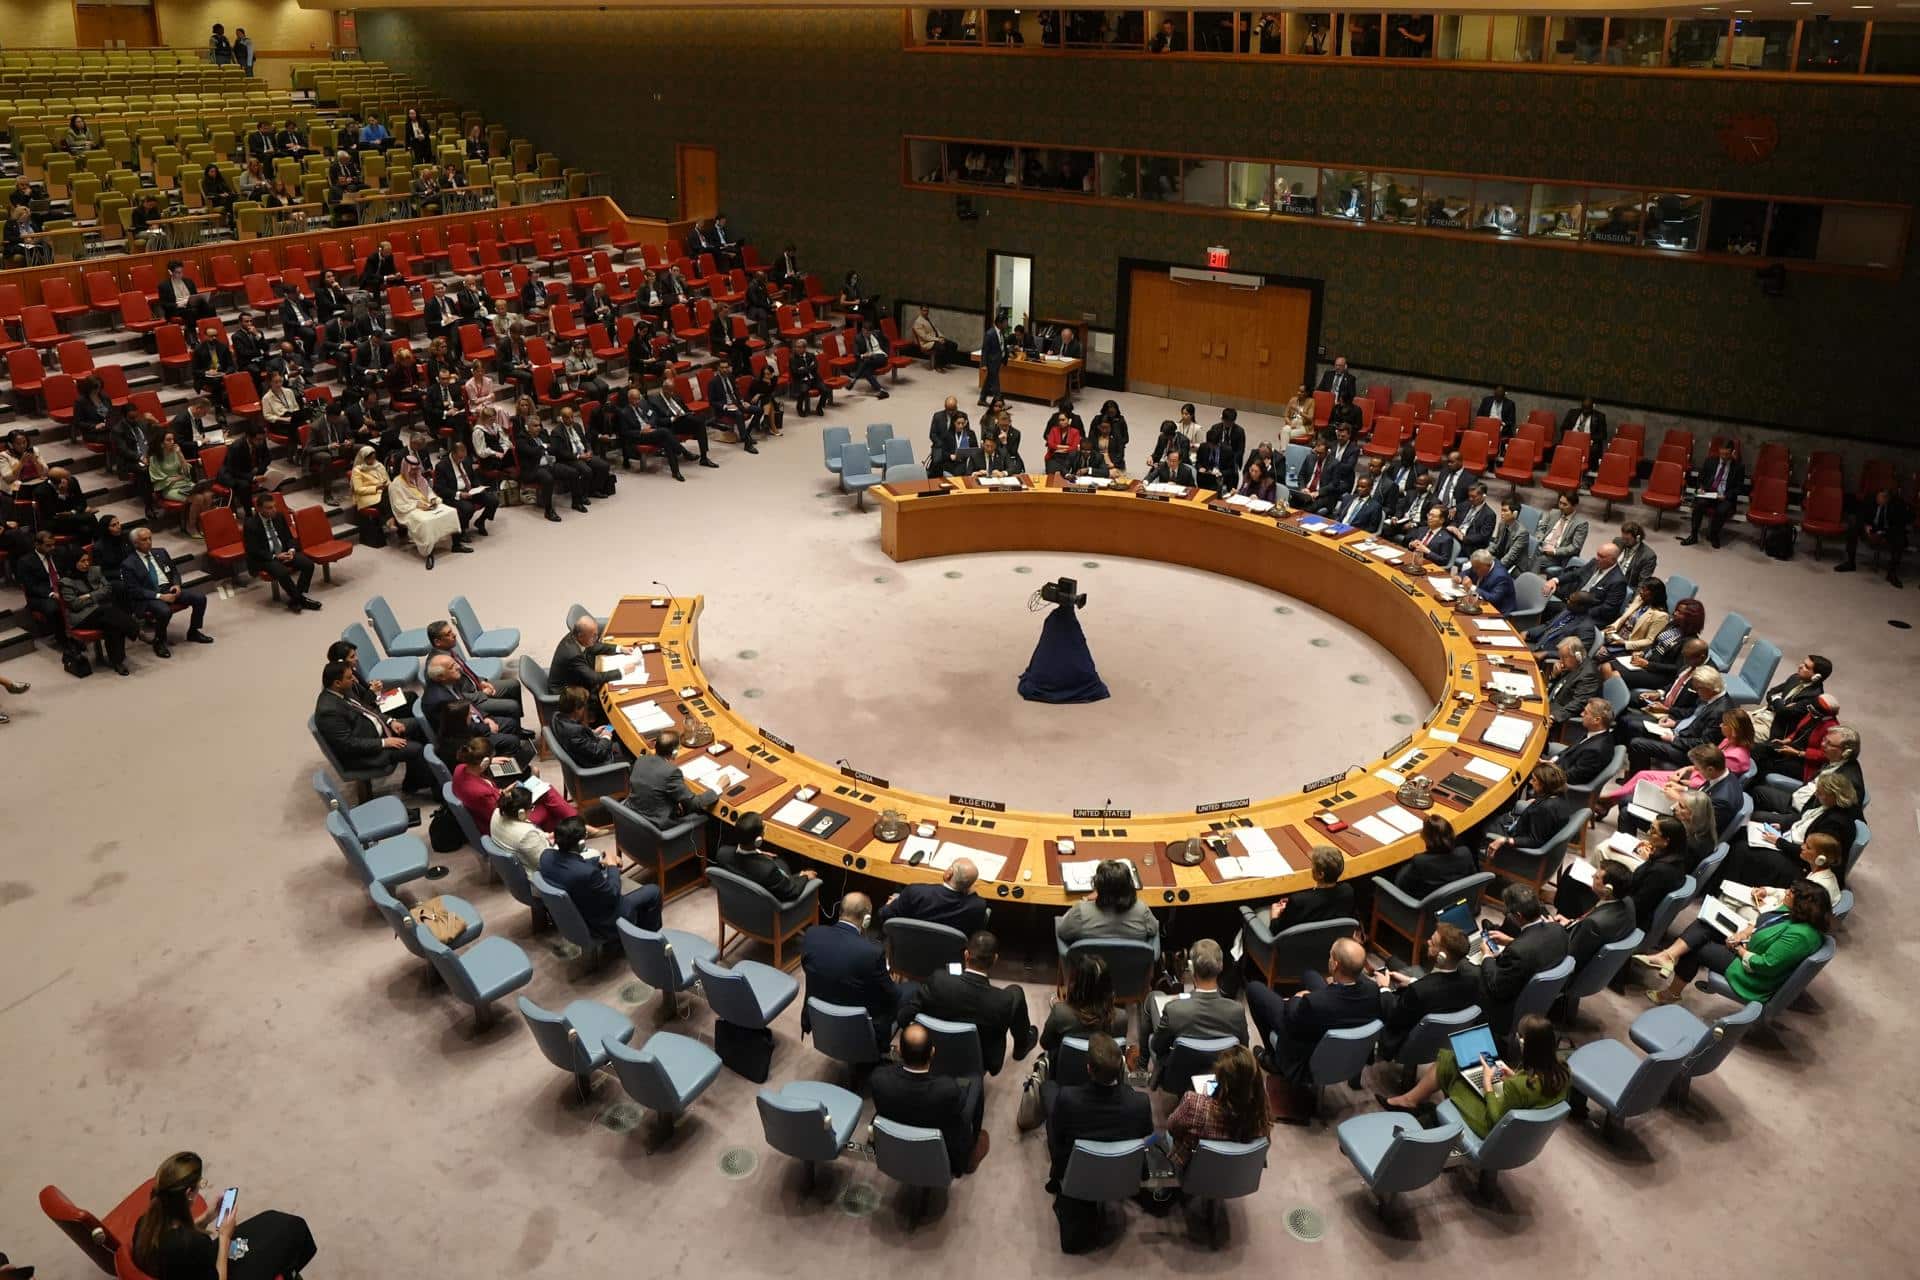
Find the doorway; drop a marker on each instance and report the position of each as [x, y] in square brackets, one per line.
[1243, 341]
[1009, 288]
[95, 25]
[699, 177]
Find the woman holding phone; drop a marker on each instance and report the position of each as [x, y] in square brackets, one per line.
[169, 1243]
[1541, 1081]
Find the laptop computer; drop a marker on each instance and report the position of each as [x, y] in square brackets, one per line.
[1468, 1047]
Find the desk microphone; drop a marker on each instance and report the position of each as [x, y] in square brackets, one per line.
[1103, 815]
[664, 587]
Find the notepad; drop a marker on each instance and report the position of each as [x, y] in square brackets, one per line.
[1760, 833]
[1078, 876]
[1509, 733]
[632, 677]
[1485, 769]
[1399, 819]
[1092, 482]
[1652, 798]
[1512, 682]
[1492, 624]
[1501, 642]
[795, 812]
[646, 716]
[1581, 871]
[988, 863]
[1161, 486]
[711, 774]
[1256, 505]
[925, 845]
[535, 787]
[1624, 848]
[999, 482]
[1390, 777]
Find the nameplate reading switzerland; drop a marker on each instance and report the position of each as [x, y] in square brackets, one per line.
[1327, 781]
[974, 802]
[1221, 806]
[858, 776]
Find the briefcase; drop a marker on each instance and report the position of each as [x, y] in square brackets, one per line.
[745, 1051]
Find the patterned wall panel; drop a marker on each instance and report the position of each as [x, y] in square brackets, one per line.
[807, 111]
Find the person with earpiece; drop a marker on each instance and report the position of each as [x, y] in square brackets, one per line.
[846, 967]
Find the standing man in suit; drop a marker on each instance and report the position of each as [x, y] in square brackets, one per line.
[1498, 406]
[1358, 508]
[658, 792]
[908, 1092]
[1590, 420]
[1717, 486]
[1204, 1013]
[1450, 484]
[150, 582]
[1230, 438]
[1342, 384]
[1537, 945]
[272, 550]
[1000, 1013]
[358, 737]
[940, 435]
[1637, 560]
[1883, 523]
[459, 488]
[1290, 1030]
[1444, 988]
[1105, 1109]
[950, 902]
[1489, 580]
[846, 967]
[596, 889]
[993, 354]
[1472, 525]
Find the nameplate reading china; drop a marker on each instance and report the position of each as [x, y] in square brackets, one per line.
[858, 776]
[973, 802]
[1221, 806]
[1103, 813]
[777, 740]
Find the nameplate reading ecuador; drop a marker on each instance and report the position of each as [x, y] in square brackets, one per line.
[858, 776]
[1221, 806]
[777, 740]
[1103, 813]
[1327, 781]
[974, 802]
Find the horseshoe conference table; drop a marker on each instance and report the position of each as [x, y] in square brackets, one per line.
[1474, 753]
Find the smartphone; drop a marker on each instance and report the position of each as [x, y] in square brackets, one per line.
[226, 1207]
[1486, 940]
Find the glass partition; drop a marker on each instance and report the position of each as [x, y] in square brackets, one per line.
[1464, 37]
[1310, 34]
[1249, 187]
[1057, 169]
[1895, 50]
[1519, 39]
[1556, 212]
[1396, 199]
[926, 160]
[1204, 182]
[1737, 226]
[1216, 31]
[1852, 236]
[1270, 31]
[1673, 221]
[1168, 31]
[1159, 178]
[1500, 208]
[1614, 217]
[1576, 40]
[1793, 230]
[980, 163]
[1761, 46]
[1121, 30]
[1344, 194]
[1447, 202]
[1296, 190]
[1119, 176]
[1012, 27]
[1361, 38]
[1409, 35]
[1831, 47]
[1698, 43]
[1636, 42]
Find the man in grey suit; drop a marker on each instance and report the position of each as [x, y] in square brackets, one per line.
[1562, 536]
[1600, 578]
[1203, 1014]
[1637, 559]
[656, 789]
[1573, 681]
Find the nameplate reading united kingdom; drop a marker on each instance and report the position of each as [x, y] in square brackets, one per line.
[777, 740]
[1221, 806]
[858, 776]
[974, 802]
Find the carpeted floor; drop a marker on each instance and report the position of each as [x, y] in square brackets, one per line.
[188, 964]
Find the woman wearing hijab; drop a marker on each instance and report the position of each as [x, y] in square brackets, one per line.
[421, 513]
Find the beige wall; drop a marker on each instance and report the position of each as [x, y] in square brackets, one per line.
[31, 24]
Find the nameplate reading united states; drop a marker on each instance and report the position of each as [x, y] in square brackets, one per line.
[1103, 813]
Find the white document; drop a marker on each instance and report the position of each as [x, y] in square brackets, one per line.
[393, 699]
[1512, 682]
[1582, 871]
[1509, 733]
[1445, 587]
[1399, 819]
[711, 774]
[1651, 797]
[999, 482]
[1485, 769]
[1260, 856]
[1623, 849]
[633, 675]
[1161, 486]
[1762, 834]
[1443, 735]
[795, 812]
[1390, 777]
[928, 845]
[1092, 482]
[1078, 876]
[1501, 642]
[1251, 503]
[536, 786]
[1664, 732]
[1492, 624]
[988, 863]
[1723, 916]
[646, 717]
[1375, 830]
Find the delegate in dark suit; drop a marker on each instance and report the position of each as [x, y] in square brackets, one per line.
[1341, 383]
[658, 792]
[1718, 483]
[453, 481]
[1197, 1015]
[1496, 588]
[1437, 991]
[598, 892]
[845, 967]
[1358, 510]
[1582, 761]
[1607, 923]
[993, 354]
[1498, 406]
[271, 550]
[950, 1105]
[144, 577]
[1541, 945]
[1327, 902]
[1000, 1013]
[1293, 1027]
[1569, 690]
[574, 665]
[358, 737]
[937, 904]
[1095, 1113]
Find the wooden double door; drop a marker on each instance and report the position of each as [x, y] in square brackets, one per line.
[1215, 341]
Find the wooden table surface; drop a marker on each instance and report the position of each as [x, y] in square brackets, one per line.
[1447, 653]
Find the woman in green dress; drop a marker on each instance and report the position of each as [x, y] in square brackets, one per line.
[1757, 960]
[1541, 1081]
[172, 477]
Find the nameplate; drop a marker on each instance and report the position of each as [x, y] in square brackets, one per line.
[974, 802]
[1153, 497]
[933, 493]
[1394, 751]
[1407, 587]
[1221, 806]
[1294, 529]
[1078, 488]
[777, 740]
[1328, 781]
[715, 695]
[851, 772]
[1103, 813]
[1223, 508]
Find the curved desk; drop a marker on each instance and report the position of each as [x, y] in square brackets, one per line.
[1449, 655]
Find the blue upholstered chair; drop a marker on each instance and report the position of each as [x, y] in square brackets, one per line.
[1393, 1154]
[575, 1039]
[376, 820]
[1515, 1139]
[483, 973]
[479, 641]
[666, 1074]
[810, 1121]
[665, 960]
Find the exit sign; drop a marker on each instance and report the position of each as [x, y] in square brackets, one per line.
[1217, 255]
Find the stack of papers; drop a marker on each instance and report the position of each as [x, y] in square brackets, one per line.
[1764, 834]
[1485, 769]
[1581, 871]
[795, 813]
[707, 772]
[1509, 733]
[1498, 625]
[1651, 799]
[1259, 506]
[1259, 856]
[1376, 828]
[1381, 551]
[1498, 641]
[1092, 482]
[999, 482]
[1512, 682]
[646, 716]
[929, 845]
[1445, 588]
[1401, 820]
[989, 863]
[633, 674]
[1623, 847]
[1161, 486]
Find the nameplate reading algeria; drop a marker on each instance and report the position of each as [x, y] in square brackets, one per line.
[974, 802]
